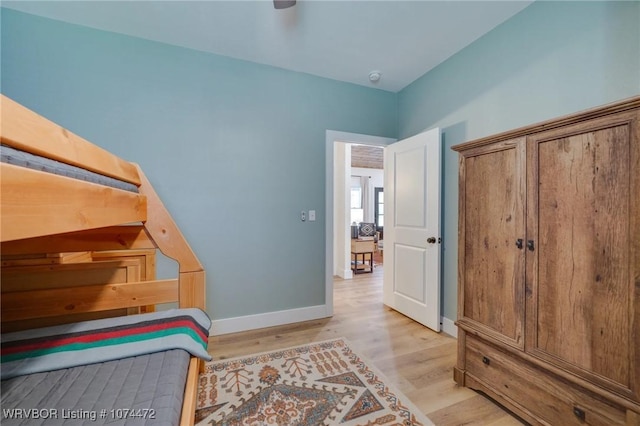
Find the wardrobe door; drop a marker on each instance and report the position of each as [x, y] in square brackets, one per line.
[491, 230]
[583, 258]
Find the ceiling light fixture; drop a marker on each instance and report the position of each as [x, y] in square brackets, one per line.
[283, 4]
[374, 76]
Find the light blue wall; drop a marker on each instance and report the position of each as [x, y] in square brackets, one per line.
[553, 58]
[235, 150]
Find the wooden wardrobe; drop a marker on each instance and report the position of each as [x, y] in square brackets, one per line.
[549, 268]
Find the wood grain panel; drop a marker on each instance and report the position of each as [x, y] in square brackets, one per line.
[146, 259]
[61, 301]
[583, 294]
[44, 258]
[192, 290]
[109, 238]
[22, 278]
[36, 204]
[493, 271]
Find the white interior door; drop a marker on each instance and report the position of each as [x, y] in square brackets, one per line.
[412, 227]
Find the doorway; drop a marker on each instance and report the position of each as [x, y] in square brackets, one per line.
[354, 206]
[338, 165]
[412, 278]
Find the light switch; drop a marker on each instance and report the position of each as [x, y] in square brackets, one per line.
[312, 215]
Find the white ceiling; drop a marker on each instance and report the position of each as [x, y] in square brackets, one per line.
[342, 40]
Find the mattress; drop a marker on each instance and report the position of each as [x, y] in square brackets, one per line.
[141, 390]
[25, 159]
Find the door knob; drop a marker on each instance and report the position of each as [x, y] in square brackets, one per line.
[431, 240]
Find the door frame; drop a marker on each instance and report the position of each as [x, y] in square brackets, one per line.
[331, 137]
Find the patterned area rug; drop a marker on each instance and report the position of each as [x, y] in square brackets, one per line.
[323, 383]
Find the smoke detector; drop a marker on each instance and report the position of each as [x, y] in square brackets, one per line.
[374, 76]
[283, 4]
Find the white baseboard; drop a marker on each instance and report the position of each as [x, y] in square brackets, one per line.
[269, 319]
[345, 274]
[449, 327]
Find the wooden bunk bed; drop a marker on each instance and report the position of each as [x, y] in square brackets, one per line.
[75, 249]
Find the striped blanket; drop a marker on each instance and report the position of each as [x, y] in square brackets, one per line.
[88, 342]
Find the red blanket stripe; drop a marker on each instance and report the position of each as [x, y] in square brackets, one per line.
[100, 335]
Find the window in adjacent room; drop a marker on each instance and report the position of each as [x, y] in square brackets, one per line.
[357, 211]
[379, 207]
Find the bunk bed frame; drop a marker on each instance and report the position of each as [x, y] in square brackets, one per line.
[49, 216]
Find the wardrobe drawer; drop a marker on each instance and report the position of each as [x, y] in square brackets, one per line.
[546, 398]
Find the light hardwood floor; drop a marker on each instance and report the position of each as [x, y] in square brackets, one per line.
[415, 359]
